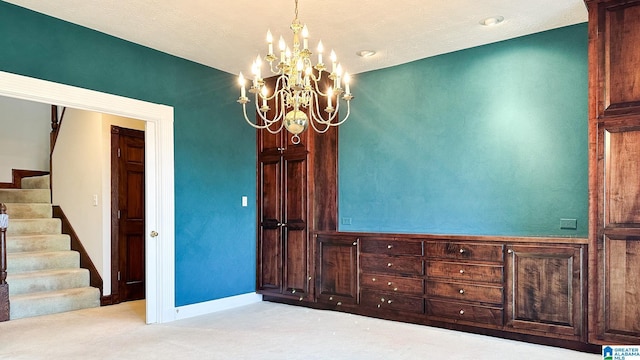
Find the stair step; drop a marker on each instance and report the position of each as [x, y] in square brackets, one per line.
[35, 182]
[45, 260]
[29, 210]
[25, 196]
[31, 243]
[48, 280]
[51, 226]
[51, 302]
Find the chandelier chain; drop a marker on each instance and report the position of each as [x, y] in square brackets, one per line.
[296, 10]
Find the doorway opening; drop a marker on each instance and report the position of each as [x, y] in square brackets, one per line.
[159, 175]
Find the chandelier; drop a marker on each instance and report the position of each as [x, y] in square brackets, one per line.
[299, 87]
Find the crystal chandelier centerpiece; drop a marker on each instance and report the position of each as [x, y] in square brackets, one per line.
[298, 87]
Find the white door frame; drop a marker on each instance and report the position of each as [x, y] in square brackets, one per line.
[159, 179]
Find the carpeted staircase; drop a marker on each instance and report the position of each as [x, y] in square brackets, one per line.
[44, 275]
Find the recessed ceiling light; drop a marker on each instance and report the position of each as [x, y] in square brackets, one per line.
[491, 21]
[366, 53]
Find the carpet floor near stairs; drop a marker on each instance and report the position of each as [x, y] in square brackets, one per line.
[44, 275]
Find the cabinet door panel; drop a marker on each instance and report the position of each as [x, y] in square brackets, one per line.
[622, 163]
[621, 59]
[622, 279]
[337, 270]
[269, 269]
[545, 289]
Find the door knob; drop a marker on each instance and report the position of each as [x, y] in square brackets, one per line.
[154, 233]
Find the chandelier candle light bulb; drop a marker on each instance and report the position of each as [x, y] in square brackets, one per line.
[296, 95]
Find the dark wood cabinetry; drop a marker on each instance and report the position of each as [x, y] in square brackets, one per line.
[391, 275]
[523, 288]
[296, 194]
[465, 282]
[545, 290]
[614, 163]
[337, 270]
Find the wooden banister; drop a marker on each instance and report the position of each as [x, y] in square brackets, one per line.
[4, 287]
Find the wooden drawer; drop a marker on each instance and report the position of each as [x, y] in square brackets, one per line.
[392, 283]
[464, 251]
[465, 271]
[391, 247]
[465, 312]
[465, 291]
[392, 264]
[391, 301]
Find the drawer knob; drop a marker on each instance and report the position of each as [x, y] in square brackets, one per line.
[389, 264]
[510, 251]
[300, 298]
[461, 271]
[293, 291]
[461, 251]
[461, 312]
[373, 279]
[339, 303]
[389, 246]
[355, 243]
[389, 302]
[395, 289]
[382, 300]
[378, 306]
[461, 291]
[330, 298]
[389, 283]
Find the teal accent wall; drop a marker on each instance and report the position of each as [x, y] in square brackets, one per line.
[214, 148]
[486, 141]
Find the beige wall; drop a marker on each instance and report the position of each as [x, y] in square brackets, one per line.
[82, 181]
[24, 136]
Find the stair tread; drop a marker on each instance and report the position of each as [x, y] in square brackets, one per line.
[43, 273]
[40, 253]
[55, 293]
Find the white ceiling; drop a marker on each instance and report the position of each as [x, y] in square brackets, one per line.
[228, 34]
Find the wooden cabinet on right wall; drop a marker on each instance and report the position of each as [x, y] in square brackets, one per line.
[614, 171]
[545, 290]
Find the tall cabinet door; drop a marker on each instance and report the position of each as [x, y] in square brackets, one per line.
[296, 236]
[614, 171]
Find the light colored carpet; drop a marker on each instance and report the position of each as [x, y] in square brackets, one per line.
[257, 331]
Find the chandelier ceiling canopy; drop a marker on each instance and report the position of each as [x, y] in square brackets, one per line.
[303, 93]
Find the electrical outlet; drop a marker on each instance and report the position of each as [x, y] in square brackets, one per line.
[346, 221]
[568, 224]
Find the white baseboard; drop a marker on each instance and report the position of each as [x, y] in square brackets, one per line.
[188, 311]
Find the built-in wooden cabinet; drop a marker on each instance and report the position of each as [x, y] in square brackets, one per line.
[337, 270]
[465, 282]
[614, 163]
[391, 275]
[296, 194]
[545, 290]
[516, 287]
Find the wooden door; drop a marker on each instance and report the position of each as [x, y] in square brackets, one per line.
[614, 171]
[619, 237]
[128, 243]
[544, 290]
[337, 269]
